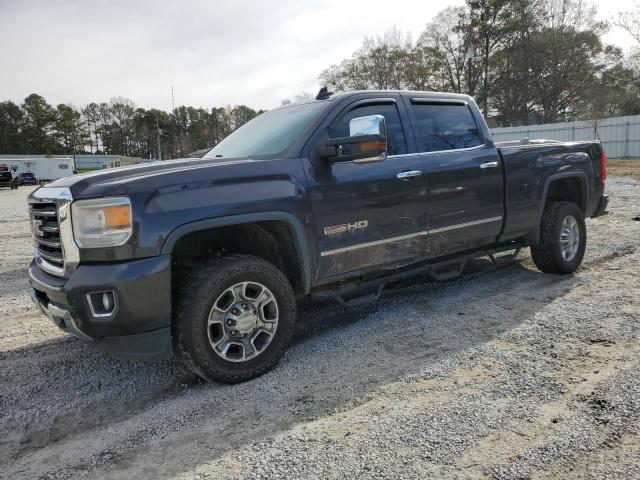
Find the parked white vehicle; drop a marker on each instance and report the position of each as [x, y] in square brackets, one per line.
[44, 168]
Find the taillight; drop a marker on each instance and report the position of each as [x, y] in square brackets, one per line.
[604, 165]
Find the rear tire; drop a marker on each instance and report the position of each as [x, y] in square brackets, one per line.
[234, 318]
[563, 238]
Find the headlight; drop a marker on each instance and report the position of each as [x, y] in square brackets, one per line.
[101, 222]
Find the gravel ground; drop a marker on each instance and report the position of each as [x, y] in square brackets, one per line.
[513, 374]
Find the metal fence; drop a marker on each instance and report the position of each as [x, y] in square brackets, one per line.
[619, 135]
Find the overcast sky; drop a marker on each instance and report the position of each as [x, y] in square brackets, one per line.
[213, 52]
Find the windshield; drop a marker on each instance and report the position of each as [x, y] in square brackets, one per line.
[267, 134]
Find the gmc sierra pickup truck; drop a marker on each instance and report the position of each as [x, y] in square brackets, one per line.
[333, 197]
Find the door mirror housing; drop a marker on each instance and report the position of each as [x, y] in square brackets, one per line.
[366, 143]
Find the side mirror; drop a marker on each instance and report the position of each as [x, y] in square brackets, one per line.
[366, 143]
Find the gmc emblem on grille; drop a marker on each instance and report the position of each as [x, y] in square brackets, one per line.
[36, 224]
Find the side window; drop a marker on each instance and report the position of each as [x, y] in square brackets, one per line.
[445, 127]
[396, 142]
[63, 166]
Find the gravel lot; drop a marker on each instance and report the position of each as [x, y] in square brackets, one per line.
[512, 374]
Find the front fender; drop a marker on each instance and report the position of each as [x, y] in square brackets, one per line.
[207, 224]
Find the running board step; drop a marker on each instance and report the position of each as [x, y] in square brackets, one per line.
[448, 275]
[441, 272]
[360, 301]
[505, 258]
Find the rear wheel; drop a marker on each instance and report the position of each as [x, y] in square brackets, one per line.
[563, 238]
[234, 318]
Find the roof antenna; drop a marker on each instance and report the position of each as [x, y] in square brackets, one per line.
[323, 94]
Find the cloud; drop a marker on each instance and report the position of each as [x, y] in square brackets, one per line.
[212, 52]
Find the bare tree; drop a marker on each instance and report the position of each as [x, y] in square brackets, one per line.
[446, 38]
[629, 21]
[389, 62]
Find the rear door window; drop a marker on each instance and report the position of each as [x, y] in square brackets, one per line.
[445, 127]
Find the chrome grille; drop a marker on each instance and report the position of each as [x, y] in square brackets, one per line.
[46, 232]
[55, 250]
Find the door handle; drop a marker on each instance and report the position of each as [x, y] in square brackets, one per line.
[484, 166]
[409, 174]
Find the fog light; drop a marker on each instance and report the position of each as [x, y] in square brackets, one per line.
[102, 304]
[107, 301]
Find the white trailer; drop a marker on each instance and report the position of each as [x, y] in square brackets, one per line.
[44, 168]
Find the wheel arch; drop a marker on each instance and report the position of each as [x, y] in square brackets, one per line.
[574, 185]
[265, 224]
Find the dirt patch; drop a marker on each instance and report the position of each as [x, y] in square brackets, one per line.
[624, 168]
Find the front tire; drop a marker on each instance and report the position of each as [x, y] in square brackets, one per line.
[234, 318]
[563, 238]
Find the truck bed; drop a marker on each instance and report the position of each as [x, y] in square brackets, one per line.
[529, 169]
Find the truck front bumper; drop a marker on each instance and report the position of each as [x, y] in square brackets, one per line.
[138, 324]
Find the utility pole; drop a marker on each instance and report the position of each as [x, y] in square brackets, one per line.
[173, 112]
[158, 137]
[471, 53]
[73, 146]
[175, 120]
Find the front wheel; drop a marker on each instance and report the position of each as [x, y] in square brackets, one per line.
[563, 238]
[234, 319]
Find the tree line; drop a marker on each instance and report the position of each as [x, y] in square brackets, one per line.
[525, 61]
[117, 127]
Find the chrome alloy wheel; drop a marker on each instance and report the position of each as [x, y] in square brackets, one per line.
[242, 321]
[569, 238]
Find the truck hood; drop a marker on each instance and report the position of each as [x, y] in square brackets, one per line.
[119, 181]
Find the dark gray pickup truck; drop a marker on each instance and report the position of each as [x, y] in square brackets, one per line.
[333, 197]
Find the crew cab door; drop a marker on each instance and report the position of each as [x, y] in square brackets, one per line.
[371, 214]
[463, 174]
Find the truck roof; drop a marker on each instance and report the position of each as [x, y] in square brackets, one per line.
[332, 96]
[443, 95]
